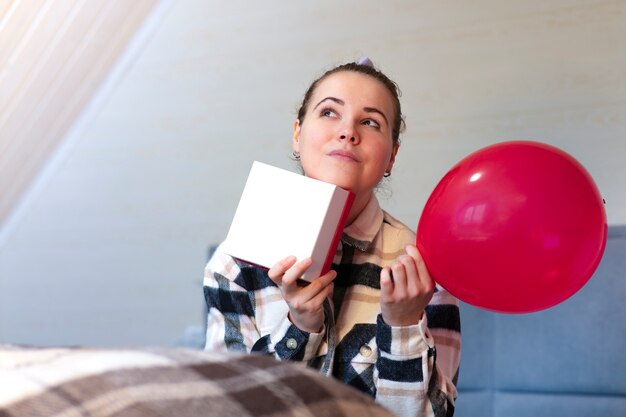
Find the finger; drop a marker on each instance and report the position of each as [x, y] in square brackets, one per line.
[310, 298]
[279, 268]
[327, 278]
[318, 285]
[422, 269]
[316, 302]
[291, 276]
[386, 284]
[412, 251]
[399, 279]
[412, 275]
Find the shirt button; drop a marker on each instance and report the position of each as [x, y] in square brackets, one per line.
[365, 351]
[291, 343]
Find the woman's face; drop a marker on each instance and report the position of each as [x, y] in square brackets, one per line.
[346, 135]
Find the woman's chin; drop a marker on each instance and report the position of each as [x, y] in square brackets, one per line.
[339, 181]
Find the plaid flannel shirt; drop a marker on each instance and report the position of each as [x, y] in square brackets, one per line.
[411, 370]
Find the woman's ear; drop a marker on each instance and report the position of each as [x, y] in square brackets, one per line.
[295, 144]
[394, 151]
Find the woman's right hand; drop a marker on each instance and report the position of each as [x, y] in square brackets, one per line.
[305, 302]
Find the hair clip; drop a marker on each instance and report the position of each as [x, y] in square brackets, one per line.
[366, 62]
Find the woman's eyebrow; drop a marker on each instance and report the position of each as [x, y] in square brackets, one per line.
[341, 102]
[375, 110]
[335, 99]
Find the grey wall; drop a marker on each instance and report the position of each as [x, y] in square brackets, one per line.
[109, 246]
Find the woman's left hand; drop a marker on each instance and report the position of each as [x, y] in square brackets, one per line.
[405, 296]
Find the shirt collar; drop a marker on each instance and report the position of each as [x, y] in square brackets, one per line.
[362, 231]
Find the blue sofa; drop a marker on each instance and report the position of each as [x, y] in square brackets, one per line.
[569, 360]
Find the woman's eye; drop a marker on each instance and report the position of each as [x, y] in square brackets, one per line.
[328, 113]
[371, 122]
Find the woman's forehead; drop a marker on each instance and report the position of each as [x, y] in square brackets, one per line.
[350, 85]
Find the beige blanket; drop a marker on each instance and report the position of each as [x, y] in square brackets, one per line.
[167, 382]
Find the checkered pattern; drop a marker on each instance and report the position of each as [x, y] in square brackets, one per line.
[168, 383]
[410, 370]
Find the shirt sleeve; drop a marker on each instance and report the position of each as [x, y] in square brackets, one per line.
[246, 313]
[417, 366]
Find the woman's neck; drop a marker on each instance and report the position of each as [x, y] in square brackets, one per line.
[360, 202]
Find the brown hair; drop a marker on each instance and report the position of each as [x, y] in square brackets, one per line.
[398, 121]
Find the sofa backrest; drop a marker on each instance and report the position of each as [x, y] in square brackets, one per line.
[568, 360]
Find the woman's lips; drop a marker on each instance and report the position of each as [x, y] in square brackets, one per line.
[344, 155]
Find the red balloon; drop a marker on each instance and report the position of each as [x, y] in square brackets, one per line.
[515, 227]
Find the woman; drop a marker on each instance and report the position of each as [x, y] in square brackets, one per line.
[375, 321]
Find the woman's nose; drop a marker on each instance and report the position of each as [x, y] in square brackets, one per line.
[352, 137]
[349, 133]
